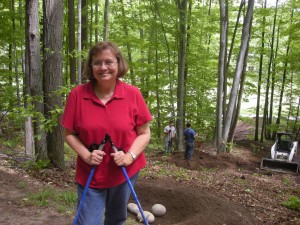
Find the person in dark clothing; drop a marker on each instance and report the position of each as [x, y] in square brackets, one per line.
[189, 136]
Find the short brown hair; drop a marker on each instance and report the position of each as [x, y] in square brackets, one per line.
[99, 47]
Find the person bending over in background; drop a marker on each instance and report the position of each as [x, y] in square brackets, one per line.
[106, 105]
[189, 136]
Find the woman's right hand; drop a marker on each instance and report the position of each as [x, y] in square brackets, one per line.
[95, 157]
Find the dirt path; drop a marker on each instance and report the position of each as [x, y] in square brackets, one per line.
[15, 186]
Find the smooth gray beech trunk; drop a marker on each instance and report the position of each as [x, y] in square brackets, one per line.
[238, 72]
[221, 73]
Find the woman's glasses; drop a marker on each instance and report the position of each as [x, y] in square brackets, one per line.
[108, 63]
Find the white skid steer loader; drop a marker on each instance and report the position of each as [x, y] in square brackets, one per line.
[283, 157]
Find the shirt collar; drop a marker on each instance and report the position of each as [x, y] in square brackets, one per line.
[118, 93]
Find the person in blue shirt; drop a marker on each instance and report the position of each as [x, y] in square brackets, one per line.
[189, 136]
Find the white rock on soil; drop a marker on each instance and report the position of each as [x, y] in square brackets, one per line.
[149, 216]
[158, 210]
[133, 208]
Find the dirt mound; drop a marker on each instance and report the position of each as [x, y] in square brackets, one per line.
[190, 205]
[203, 160]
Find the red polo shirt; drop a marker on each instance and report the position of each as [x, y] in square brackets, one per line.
[91, 120]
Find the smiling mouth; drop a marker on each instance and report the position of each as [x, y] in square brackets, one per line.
[104, 74]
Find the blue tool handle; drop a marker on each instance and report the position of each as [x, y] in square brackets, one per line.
[134, 195]
[132, 190]
[101, 146]
[84, 194]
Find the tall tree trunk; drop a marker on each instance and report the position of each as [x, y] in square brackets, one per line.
[129, 51]
[237, 110]
[242, 4]
[284, 77]
[29, 129]
[84, 34]
[96, 20]
[106, 14]
[34, 75]
[84, 24]
[157, 90]
[225, 69]
[273, 83]
[170, 74]
[209, 34]
[266, 119]
[91, 24]
[239, 69]
[290, 103]
[182, 8]
[150, 60]
[53, 38]
[79, 43]
[188, 40]
[221, 75]
[15, 56]
[71, 36]
[257, 118]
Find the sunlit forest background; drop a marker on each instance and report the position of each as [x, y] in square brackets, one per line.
[203, 61]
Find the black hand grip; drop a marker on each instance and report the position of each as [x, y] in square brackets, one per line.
[93, 147]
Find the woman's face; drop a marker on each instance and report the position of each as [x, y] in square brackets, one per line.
[105, 65]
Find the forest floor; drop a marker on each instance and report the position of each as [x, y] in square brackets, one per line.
[210, 189]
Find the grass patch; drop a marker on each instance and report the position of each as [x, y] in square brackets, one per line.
[42, 198]
[161, 169]
[64, 201]
[286, 181]
[292, 203]
[209, 170]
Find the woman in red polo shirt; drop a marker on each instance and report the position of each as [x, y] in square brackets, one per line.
[106, 105]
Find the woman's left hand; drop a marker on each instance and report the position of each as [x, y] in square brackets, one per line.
[122, 159]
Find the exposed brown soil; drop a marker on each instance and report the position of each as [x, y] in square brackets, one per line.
[209, 189]
[15, 187]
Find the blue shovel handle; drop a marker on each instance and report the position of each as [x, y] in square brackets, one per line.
[131, 189]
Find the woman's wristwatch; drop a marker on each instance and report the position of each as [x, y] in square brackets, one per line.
[132, 155]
